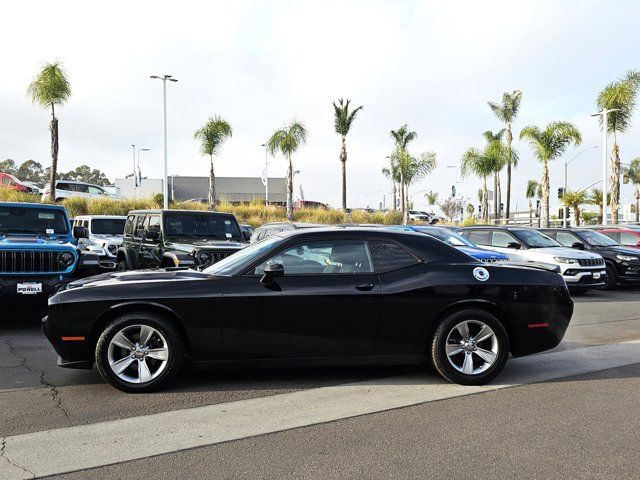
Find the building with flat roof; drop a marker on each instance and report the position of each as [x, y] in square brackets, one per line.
[229, 189]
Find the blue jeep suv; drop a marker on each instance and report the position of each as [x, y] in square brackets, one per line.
[38, 252]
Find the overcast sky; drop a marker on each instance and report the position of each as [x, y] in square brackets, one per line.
[433, 65]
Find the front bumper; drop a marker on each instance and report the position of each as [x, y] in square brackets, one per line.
[74, 353]
[50, 285]
[585, 277]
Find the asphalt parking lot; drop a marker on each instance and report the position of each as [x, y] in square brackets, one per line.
[391, 422]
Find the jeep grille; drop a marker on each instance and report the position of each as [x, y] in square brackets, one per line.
[590, 262]
[21, 261]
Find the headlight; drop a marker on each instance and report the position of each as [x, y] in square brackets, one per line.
[204, 258]
[626, 258]
[112, 249]
[65, 259]
[565, 260]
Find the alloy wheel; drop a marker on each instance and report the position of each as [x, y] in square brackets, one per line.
[472, 347]
[138, 353]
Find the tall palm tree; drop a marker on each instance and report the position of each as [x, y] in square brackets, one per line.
[287, 140]
[575, 199]
[634, 177]
[491, 137]
[211, 136]
[413, 169]
[547, 145]
[401, 139]
[481, 164]
[343, 120]
[620, 95]
[507, 111]
[533, 191]
[49, 88]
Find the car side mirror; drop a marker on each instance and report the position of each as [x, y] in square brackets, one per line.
[578, 245]
[151, 234]
[638, 243]
[246, 235]
[272, 271]
[514, 245]
[80, 232]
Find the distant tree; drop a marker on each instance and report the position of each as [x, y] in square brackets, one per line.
[595, 198]
[507, 111]
[211, 136]
[8, 166]
[619, 95]
[84, 173]
[432, 197]
[410, 169]
[587, 217]
[31, 171]
[401, 139]
[575, 199]
[452, 207]
[491, 137]
[49, 88]
[533, 191]
[287, 140]
[547, 145]
[343, 120]
[634, 177]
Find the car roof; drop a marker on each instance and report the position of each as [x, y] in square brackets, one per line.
[33, 205]
[78, 183]
[110, 217]
[498, 227]
[137, 212]
[293, 224]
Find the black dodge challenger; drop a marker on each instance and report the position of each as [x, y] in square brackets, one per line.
[312, 297]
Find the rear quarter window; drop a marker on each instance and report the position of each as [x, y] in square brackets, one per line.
[480, 237]
[390, 256]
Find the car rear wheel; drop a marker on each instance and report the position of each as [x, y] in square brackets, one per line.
[139, 352]
[470, 347]
[612, 277]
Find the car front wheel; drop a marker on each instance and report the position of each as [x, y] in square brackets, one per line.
[139, 352]
[470, 347]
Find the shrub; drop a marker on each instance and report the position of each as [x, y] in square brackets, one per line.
[393, 217]
[9, 195]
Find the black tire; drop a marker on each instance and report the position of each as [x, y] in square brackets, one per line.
[612, 277]
[122, 266]
[173, 341]
[441, 362]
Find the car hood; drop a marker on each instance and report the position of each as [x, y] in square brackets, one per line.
[619, 249]
[117, 239]
[198, 244]
[138, 276]
[481, 253]
[33, 241]
[564, 252]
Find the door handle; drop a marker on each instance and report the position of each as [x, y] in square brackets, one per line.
[364, 286]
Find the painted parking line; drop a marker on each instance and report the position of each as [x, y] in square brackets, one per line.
[63, 450]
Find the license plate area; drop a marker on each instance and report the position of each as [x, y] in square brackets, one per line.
[29, 288]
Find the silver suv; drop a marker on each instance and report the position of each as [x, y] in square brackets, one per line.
[105, 234]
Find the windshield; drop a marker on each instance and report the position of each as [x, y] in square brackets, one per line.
[201, 225]
[534, 239]
[597, 239]
[448, 237]
[107, 226]
[45, 221]
[238, 260]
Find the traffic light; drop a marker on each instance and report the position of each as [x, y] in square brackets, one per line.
[560, 192]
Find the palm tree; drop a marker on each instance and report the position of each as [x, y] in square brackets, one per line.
[533, 191]
[401, 139]
[620, 95]
[432, 197]
[343, 119]
[491, 137]
[507, 111]
[574, 199]
[596, 199]
[414, 169]
[287, 140]
[49, 88]
[547, 145]
[634, 177]
[211, 136]
[481, 164]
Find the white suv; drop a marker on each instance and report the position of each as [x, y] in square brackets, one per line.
[105, 236]
[69, 188]
[581, 270]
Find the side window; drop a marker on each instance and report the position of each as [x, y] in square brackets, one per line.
[389, 256]
[613, 235]
[139, 226]
[566, 239]
[63, 186]
[334, 256]
[153, 222]
[128, 226]
[479, 237]
[5, 181]
[502, 239]
[628, 238]
[80, 188]
[94, 190]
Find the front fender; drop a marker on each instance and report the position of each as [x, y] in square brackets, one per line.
[176, 258]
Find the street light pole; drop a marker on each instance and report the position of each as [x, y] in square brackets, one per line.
[135, 182]
[603, 113]
[266, 175]
[564, 210]
[165, 186]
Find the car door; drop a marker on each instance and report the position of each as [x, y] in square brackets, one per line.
[151, 249]
[94, 191]
[136, 243]
[327, 304]
[566, 239]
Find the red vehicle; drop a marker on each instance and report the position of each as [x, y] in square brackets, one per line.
[625, 236]
[9, 181]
